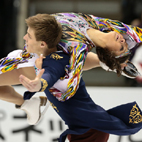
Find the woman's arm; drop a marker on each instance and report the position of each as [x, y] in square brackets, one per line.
[92, 61]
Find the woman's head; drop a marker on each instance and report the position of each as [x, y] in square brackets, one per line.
[111, 40]
[115, 43]
[111, 60]
[115, 52]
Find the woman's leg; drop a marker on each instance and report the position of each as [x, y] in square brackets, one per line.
[7, 93]
[31, 107]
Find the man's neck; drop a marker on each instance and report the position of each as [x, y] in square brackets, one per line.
[49, 51]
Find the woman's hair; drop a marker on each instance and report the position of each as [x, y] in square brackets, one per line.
[109, 59]
[46, 29]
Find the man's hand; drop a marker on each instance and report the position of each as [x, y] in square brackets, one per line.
[32, 85]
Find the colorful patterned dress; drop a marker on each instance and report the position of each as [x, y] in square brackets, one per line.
[77, 44]
[17, 59]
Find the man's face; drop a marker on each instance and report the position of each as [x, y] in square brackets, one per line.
[33, 46]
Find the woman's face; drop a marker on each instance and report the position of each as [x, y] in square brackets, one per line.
[116, 43]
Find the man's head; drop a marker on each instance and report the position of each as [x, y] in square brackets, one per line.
[43, 31]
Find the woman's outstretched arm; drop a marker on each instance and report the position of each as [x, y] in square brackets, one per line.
[92, 61]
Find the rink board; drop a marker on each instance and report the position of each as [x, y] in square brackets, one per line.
[13, 125]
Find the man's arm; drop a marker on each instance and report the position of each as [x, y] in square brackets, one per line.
[53, 70]
[92, 61]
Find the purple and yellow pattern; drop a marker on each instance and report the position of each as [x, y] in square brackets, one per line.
[76, 42]
[10, 63]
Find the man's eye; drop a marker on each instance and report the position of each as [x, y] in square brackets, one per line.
[29, 36]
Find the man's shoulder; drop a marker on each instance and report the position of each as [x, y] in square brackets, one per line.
[57, 57]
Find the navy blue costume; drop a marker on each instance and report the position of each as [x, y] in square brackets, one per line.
[80, 113]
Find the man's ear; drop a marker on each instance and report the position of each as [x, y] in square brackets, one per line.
[43, 44]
